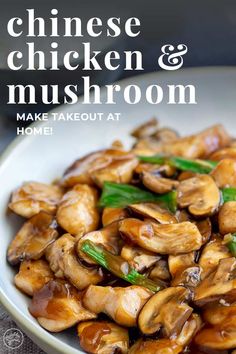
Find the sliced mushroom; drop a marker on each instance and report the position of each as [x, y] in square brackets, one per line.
[148, 128]
[77, 212]
[110, 215]
[226, 153]
[57, 306]
[33, 238]
[166, 135]
[200, 194]
[138, 258]
[219, 313]
[158, 184]
[121, 304]
[33, 197]
[199, 145]
[227, 218]
[108, 237]
[186, 175]
[159, 346]
[189, 329]
[219, 284]
[224, 173]
[160, 271]
[219, 337]
[164, 239]
[167, 309]
[212, 253]
[153, 211]
[100, 337]
[184, 270]
[32, 276]
[62, 259]
[120, 171]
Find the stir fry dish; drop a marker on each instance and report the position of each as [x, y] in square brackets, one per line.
[136, 250]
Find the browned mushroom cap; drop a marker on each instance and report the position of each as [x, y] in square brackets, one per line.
[189, 329]
[108, 237]
[159, 346]
[118, 171]
[153, 211]
[160, 271]
[32, 197]
[200, 194]
[79, 171]
[199, 145]
[219, 284]
[219, 337]
[77, 212]
[33, 238]
[167, 309]
[110, 215]
[186, 175]
[121, 304]
[226, 153]
[227, 218]
[184, 270]
[139, 258]
[32, 276]
[103, 337]
[219, 313]
[146, 129]
[224, 173]
[164, 239]
[158, 184]
[64, 263]
[212, 252]
[57, 306]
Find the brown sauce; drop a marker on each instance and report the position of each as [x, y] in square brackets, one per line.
[91, 336]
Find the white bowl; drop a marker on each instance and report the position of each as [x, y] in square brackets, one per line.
[43, 158]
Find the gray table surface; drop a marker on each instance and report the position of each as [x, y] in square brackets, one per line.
[7, 134]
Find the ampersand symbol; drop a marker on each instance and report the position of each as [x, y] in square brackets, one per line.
[174, 59]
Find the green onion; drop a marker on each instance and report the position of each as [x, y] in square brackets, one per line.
[228, 194]
[117, 195]
[196, 166]
[230, 240]
[118, 266]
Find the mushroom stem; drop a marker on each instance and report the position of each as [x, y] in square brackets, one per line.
[183, 164]
[117, 195]
[118, 266]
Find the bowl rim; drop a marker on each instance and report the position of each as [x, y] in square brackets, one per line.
[22, 320]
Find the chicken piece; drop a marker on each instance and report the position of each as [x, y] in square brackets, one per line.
[62, 259]
[199, 145]
[32, 276]
[108, 237]
[226, 153]
[153, 211]
[57, 306]
[160, 271]
[138, 258]
[33, 238]
[212, 253]
[184, 270]
[200, 194]
[219, 337]
[103, 337]
[164, 239]
[224, 173]
[218, 285]
[110, 215]
[77, 212]
[227, 218]
[80, 171]
[167, 309]
[144, 130]
[158, 184]
[33, 197]
[159, 346]
[121, 304]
